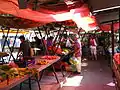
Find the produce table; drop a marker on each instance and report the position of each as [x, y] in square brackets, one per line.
[12, 82]
[18, 80]
[42, 67]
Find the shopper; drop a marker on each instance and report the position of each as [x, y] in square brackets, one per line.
[93, 48]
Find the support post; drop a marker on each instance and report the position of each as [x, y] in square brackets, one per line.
[112, 33]
[57, 35]
[13, 44]
[59, 41]
[55, 74]
[119, 26]
[7, 42]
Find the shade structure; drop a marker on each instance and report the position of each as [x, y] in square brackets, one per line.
[19, 23]
[46, 14]
[107, 27]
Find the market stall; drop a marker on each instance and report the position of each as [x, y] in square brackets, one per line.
[19, 75]
[13, 17]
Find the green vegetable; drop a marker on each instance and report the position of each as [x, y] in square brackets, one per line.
[5, 67]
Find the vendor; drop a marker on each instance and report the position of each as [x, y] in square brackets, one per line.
[77, 54]
[24, 47]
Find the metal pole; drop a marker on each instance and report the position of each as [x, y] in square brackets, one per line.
[112, 33]
[5, 38]
[13, 44]
[119, 26]
[7, 42]
[46, 32]
[57, 35]
[42, 41]
[59, 41]
[35, 5]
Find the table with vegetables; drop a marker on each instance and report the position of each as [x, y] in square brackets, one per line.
[10, 75]
[116, 69]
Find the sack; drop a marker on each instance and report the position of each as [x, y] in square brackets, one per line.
[31, 52]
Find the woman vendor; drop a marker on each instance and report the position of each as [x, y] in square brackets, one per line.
[77, 54]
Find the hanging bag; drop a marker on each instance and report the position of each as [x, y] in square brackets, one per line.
[68, 43]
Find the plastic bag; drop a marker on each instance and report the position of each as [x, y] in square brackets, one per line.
[68, 44]
[74, 61]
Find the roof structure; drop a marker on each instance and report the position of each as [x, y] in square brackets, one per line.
[44, 13]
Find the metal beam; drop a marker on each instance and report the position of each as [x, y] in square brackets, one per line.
[119, 26]
[112, 32]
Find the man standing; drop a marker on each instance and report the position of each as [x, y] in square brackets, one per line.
[24, 47]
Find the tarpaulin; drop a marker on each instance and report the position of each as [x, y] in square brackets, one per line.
[14, 22]
[107, 27]
[51, 13]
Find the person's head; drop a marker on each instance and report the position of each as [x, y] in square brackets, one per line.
[76, 37]
[3, 36]
[36, 38]
[51, 37]
[43, 37]
[22, 38]
[92, 36]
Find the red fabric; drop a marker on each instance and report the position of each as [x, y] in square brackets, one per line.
[92, 42]
[117, 58]
[44, 14]
[57, 50]
[107, 27]
[15, 22]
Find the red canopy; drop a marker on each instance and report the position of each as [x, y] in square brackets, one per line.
[44, 14]
[107, 27]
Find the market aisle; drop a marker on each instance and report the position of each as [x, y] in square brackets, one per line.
[95, 76]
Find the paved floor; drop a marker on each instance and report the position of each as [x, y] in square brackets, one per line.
[96, 75]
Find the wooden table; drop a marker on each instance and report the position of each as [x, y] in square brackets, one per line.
[16, 81]
[42, 67]
[13, 82]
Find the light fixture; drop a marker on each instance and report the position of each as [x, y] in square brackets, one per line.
[70, 2]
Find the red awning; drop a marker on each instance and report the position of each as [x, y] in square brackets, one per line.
[45, 14]
[107, 27]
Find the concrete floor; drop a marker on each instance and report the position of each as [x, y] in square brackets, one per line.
[96, 75]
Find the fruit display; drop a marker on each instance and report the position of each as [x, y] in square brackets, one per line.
[42, 62]
[65, 51]
[49, 57]
[7, 72]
